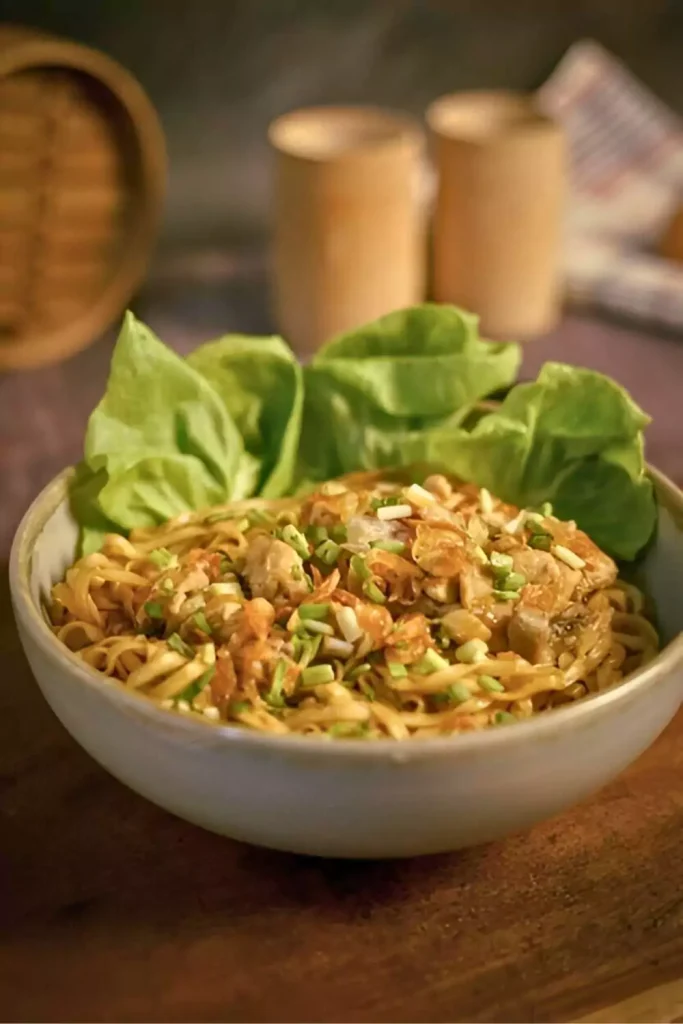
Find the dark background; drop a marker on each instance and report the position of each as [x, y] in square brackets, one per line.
[219, 70]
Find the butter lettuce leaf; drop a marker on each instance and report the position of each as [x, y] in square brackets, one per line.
[573, 437]
[260, 383]
[160, 441]
[376, 394]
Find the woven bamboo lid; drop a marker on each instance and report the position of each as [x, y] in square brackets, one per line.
[82, 175]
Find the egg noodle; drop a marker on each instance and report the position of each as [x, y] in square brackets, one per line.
[372, 608]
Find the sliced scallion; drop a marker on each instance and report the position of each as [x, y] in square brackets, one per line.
[395, 547]
[328, 552]
[372, 591]
[296, 540]
[397, 670]
[314, 611]
[491, 684]
[201, 622]
[177, 644]
[317, 675]
[504, 718]
[431, 661]
[162, 558]
[472, 651]
[154, 610]
[360, 568]
[274, 695]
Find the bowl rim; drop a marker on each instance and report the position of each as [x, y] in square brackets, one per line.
[536, 728]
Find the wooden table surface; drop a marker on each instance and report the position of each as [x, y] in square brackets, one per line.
[111, 909]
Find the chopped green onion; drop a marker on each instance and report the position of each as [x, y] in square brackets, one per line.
[485, 501]
[328, 552]
[515, 581]
[540, 541]
[472, 651]
[239, 706]
[568, 556]
[339, 533]
[359, 670]
[458, 693]
[154, 610]
[314, 611]
[348, 623]
[207, 654]
[504, 718]
[316, 534]
[383, 502]
[297, 573]
[195, 688]
[167, 585]
[274, 695]
[546, 509]
[296, 540]
[162, 558]
[491, 684]
[201, 622]
[372, 591]
[431, 661]
[309, 583]
[230, 588]
[506, 595]
[350, 730]
[366, 689]
[226, 565]
[317, 675]
[419, 495]
[315, 626]
[177, 644]
[499, 560]
[309, 649]
[397, 670]
[360, 568]
[396, 547]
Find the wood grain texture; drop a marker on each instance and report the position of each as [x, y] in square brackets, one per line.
[111, 909]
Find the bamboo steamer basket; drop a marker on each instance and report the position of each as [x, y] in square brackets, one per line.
[82, 177]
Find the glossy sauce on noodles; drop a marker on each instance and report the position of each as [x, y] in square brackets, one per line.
[370, 609]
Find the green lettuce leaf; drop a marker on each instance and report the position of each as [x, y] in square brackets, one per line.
[374, 395]
[573, 437]
[260, 383]
[159, 442]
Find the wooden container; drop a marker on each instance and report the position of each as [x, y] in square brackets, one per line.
[349, 224]
[499, 210]
[82, 175]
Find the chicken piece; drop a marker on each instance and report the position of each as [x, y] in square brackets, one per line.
[529, 635]
[274, 569]
[599, 571]
[476, 588]
[550, 583]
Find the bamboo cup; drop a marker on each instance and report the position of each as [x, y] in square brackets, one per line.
[499, 210]
[349, 222]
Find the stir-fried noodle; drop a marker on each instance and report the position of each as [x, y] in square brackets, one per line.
[368, 609]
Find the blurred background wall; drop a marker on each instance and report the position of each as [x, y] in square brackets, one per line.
[219, 70]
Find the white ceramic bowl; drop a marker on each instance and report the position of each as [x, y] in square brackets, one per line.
[350, 798]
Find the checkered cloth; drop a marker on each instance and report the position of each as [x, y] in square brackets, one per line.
[627, 179]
